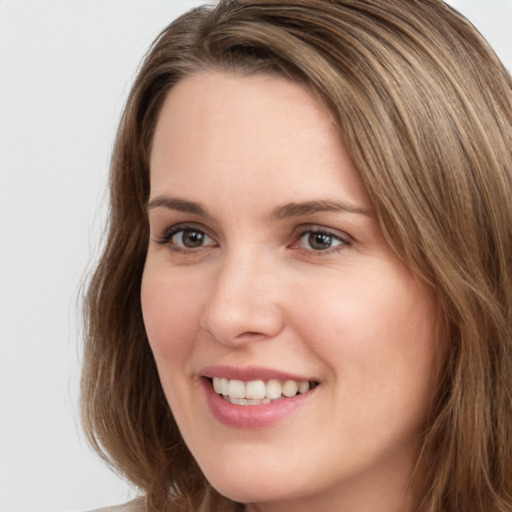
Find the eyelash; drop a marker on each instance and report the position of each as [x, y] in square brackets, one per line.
[344, 240]
[166, 238]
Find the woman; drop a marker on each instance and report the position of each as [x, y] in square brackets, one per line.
[305, 299]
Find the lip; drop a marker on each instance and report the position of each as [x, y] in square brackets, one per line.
[251, 416]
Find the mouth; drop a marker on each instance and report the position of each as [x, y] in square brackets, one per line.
[258, 392]
[255, 397]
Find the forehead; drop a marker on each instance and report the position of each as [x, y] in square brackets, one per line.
[227, 131]
[234, 106]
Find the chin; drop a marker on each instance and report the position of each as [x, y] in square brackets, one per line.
[249, 485]
[245, 492]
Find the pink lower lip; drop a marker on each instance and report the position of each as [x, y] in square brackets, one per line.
[252, 416]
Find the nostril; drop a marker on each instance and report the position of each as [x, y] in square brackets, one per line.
[251, 336]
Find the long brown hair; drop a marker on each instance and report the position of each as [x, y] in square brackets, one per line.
[425, 110]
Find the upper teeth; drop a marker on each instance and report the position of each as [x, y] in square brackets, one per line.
[258, 389]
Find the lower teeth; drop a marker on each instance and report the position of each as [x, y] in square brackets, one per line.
[246, 401]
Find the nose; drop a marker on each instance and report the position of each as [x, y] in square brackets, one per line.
[243, 304]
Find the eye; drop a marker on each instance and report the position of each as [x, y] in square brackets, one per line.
[190, 238]
[186, 238]
[319, 240]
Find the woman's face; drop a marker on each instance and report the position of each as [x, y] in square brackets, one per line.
[267, 275]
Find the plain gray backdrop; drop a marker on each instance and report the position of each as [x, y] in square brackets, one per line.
[65, 70]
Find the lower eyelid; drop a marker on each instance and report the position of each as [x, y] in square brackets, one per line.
[340, 242]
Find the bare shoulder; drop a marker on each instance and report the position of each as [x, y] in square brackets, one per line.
[136, 505]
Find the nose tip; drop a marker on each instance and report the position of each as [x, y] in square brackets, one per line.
[237, 322]
[243, 307]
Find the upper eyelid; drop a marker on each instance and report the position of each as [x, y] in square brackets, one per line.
[297, 232]
[165, 236]
[182, 226]
[318, 228]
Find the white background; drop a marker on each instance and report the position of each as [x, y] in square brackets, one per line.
[65, 69]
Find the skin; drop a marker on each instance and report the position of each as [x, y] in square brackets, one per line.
[257, 292]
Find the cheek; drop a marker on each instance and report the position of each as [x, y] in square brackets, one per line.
[171, 312]
[378, 336]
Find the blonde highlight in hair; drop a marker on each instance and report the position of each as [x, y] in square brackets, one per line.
[425, 109]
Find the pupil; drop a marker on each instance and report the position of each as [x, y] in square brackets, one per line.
[192, 238]
[320, 240]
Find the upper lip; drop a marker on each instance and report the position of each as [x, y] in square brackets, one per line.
[249, 373]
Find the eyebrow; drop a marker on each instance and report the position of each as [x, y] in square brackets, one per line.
[282, 212]
[180, 205]
[310, 207]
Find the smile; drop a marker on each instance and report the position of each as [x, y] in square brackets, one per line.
[256, 392]
[255, 397]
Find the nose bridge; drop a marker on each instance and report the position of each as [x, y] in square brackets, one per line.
[243, 303]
